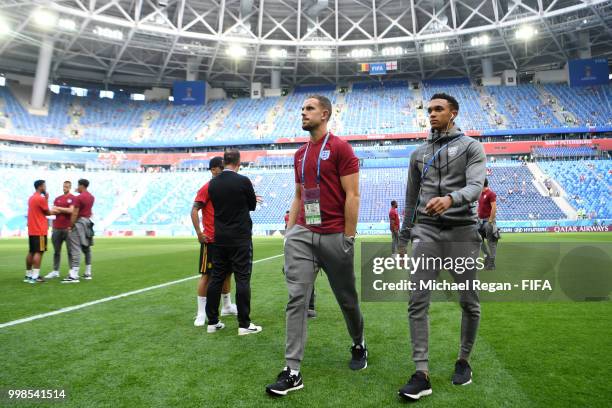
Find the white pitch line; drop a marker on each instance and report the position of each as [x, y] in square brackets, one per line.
[108, 299]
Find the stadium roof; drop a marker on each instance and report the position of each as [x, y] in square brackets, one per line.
[151, 42]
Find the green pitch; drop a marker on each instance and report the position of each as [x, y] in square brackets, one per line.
[143, 350]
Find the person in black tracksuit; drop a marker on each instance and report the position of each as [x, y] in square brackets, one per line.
[232, 196]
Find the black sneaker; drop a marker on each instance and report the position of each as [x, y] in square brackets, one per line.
[359, 357]
[285, 382]
[70, 279]
[312, 313]
[418, 386]
[463, 373]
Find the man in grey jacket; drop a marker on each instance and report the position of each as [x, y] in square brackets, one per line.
[445, 178]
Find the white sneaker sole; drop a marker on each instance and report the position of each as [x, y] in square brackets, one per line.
[247, 332]
[71, 281]
[418, 396]
[87, 277]
[278, 392]
[228, 313]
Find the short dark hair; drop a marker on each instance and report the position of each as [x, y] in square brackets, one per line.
[486, 183]
[68, 181]
[215, 162]
[393, 203]
[231, 157]
[324, 102]
[38, 183]
[450, 99]
[84, 183]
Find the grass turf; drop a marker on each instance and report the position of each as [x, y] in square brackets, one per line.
[143, 350]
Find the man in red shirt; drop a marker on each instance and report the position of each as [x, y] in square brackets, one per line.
[286, 219]
[207, 238]
[38, 227]
[81, 233]
[61, 226]
[321, 233]
[394, 225]
[487, 211]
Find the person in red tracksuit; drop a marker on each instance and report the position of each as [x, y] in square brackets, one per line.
[394, 225]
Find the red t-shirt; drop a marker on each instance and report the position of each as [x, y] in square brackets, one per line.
[338, 160]
[37, 215]
[84, 202]
[394, 219]
[62, 221]
[208, 212]
[484, 203]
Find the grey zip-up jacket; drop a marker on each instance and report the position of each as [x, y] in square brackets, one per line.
[457, 170]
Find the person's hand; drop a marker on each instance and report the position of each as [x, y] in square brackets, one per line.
[438, 205]
[401, 250]
[259, 199]
[202, 238]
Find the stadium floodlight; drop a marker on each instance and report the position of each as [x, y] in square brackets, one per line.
[434, 47]
[5, 28]
[44, 18]
[277, 53]
[525, 33]
[392, 51]
[236, 51]
[66, 24]
[108, 33]
[480, 40]
[361, 53]
[319, 54]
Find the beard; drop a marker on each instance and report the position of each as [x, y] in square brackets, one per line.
[307, 127]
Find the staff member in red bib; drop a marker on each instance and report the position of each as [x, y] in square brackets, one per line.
[61, 228]
[394, 226]
[38, 227]
[81, 233]
[321, 233]
[487, 211]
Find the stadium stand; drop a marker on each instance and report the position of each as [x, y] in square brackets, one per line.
[122, 122]
[135, 200]
[564, 151]
[522, 107]
[381, 107]
[518, 198]
[587, 183]
[590, 105]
